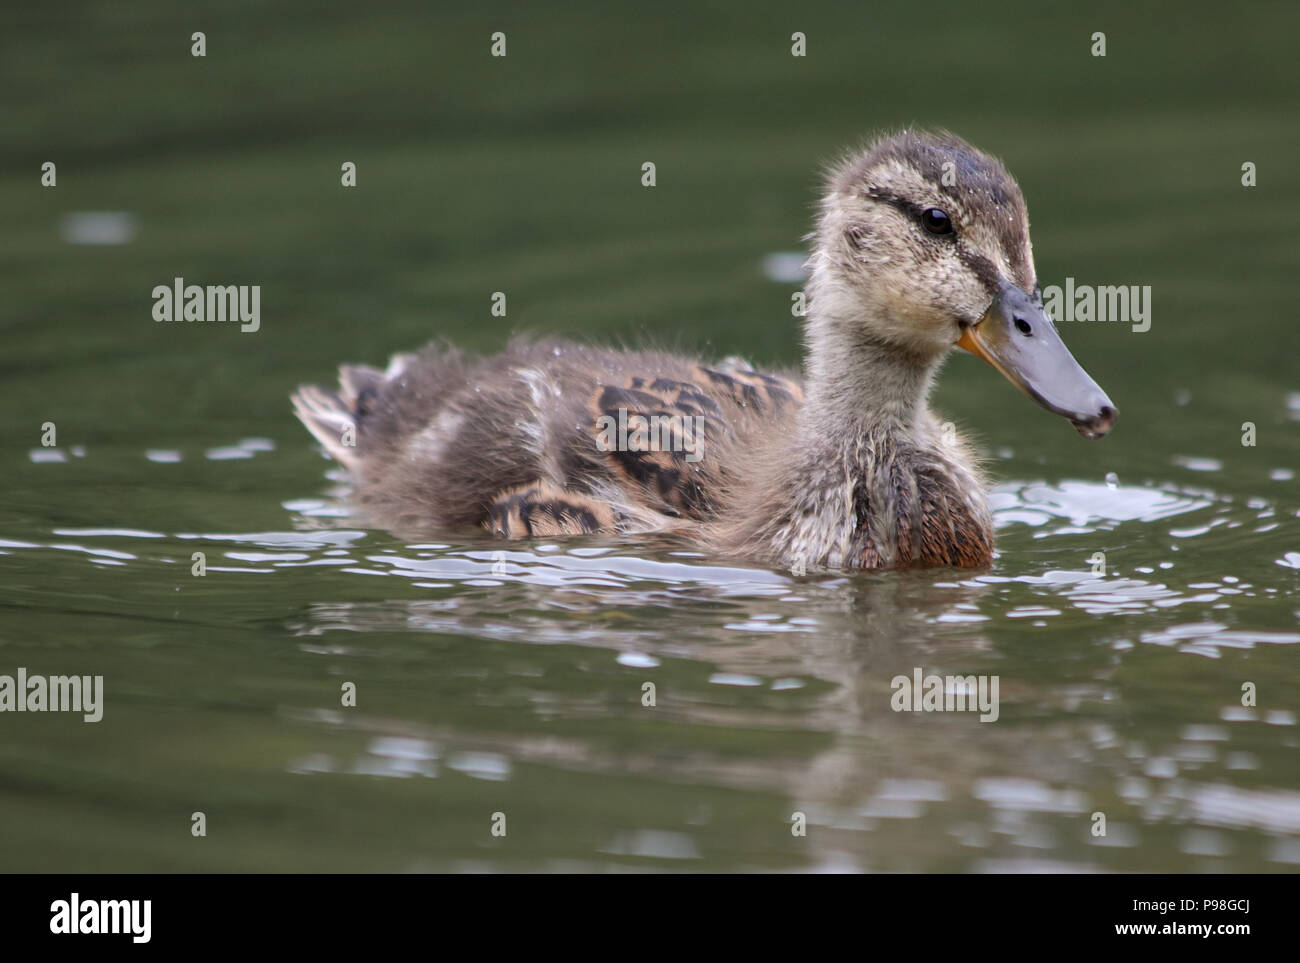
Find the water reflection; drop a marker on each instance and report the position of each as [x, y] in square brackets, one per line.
[742, 649]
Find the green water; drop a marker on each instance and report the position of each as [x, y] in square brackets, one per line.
[512, 683]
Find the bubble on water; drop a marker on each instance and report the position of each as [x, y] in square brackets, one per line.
[734, 678]
[227, 453]
[1112, 480]
[785, 267]
[1198, 464]
[637, 660]
[98, 227]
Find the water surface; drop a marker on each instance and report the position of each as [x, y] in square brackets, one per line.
[508, 678]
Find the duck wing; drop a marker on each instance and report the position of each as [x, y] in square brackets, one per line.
[548, 437]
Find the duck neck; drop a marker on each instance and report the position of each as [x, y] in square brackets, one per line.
[864, 479]
[857, 385]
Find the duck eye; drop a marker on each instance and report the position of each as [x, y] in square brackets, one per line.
[936, 221]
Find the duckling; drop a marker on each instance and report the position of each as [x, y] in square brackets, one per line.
[922, 245]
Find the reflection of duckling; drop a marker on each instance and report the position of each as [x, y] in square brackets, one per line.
[922, 244]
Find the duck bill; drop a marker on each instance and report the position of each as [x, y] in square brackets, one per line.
[1017, 338]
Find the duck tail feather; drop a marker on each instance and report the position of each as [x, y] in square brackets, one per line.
[330, 420]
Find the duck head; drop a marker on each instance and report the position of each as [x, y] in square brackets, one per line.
[922, 246]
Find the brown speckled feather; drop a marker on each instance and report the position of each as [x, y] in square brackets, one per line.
[512, 442]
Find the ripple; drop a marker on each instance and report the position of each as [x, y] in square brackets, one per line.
[771, 684]
[1208, 638]
[1086, 506]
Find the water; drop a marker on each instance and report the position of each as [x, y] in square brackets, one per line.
[508, 678]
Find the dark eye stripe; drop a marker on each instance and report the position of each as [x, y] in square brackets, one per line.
[916, 212]
[886, 196]
[980, 266]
